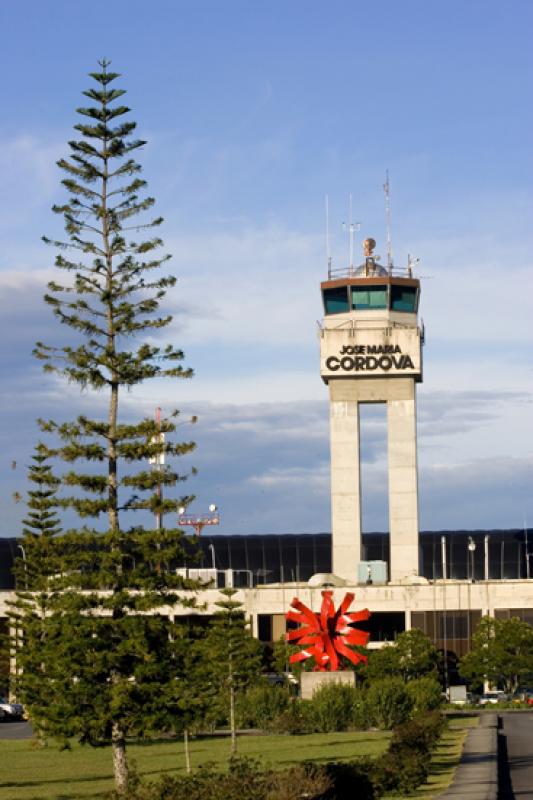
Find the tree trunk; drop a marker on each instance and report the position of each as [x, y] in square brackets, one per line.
[232, 719]
[187, 753]
[120, 760]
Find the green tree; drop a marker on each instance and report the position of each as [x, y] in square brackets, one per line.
[34, 571]
[416, 654]
[411, 656]
[501, 653]
[108, 639]
[231, 657]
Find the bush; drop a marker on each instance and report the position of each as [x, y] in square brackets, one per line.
[296, 719]
[407, 763]
[303, 780]
[389, 703]
[353, 779]
[261, 705]
[245, 780]
[332, 707]
[425, 694]
[421, 733]
[401, 773]
[361, 713]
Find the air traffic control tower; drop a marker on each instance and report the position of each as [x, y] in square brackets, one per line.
[371, 352]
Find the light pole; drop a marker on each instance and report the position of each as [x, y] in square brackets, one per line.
[22, 550]
[471, 551]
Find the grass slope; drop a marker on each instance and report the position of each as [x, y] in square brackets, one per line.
[28, 772]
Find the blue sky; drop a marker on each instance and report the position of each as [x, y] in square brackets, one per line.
[252, 112]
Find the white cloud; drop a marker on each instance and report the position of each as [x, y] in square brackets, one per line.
[295, 477]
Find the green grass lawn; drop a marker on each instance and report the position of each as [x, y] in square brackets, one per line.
[28, 772]
[445, 759]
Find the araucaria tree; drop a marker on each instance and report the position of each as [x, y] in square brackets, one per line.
[230, 657]
[108, 649]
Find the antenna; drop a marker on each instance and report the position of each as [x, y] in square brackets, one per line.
[386, 189]
[528, 575]
[328, 250]
[352, 228]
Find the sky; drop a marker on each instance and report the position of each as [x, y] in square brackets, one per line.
[252, 113]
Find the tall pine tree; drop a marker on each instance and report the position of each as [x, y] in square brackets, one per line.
[231, 657]
[107, 648]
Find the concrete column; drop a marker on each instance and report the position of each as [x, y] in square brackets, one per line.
[403, 486]
[345, 487]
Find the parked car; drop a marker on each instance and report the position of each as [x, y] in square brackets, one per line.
[10, 711]
[492, 698]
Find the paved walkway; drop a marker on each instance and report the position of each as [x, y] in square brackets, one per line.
[476, 777]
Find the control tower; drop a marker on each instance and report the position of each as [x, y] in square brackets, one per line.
[371, 352]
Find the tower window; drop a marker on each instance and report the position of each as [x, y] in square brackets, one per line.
[336, 300]
[369, 297]
[403, 298]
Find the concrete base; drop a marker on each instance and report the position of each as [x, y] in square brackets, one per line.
[311, 681]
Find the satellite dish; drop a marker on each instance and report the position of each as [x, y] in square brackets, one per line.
[212, 508]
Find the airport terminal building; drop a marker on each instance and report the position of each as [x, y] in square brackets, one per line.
[442, 582]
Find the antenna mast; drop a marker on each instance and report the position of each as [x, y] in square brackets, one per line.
[328, 250]
[386, 189]
[352, 228]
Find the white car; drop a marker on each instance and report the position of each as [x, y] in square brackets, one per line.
[491, 698]
[10, 711]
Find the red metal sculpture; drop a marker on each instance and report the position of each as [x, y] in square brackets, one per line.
[329, 634]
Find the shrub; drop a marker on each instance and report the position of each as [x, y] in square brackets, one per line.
[261, 705]
[332, 707]
[425, 694]
[303, 780]
[243, 781]
[389, 703]
[401, 772]
[421, 733]
[296, 719]
[353, 779]
[407, 763]
[361, 712]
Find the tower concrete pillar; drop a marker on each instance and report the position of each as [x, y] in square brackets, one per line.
[345, 486]
[403, 485]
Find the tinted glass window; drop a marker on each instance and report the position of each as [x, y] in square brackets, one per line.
[403, 298]
[369, 297]
[336, 300]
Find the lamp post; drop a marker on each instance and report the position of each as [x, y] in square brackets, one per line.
[22, 550]
[471, 551]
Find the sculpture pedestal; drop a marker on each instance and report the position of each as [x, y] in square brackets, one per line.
[311, 681]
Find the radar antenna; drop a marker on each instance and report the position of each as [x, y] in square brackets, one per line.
[386, 189]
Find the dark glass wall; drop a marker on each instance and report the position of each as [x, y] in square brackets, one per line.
[273, 558]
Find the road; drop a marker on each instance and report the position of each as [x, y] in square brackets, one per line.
[15, 730]
[516, 781]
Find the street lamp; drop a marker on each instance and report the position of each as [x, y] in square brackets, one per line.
[471, 550]
[212, 549]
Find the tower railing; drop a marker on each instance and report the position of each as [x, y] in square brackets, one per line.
[369, 271]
